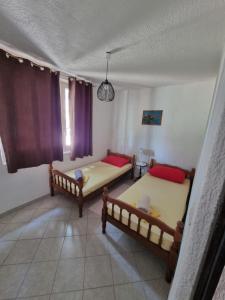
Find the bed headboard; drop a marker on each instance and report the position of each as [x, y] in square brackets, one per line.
[131, 158]
[189, 174]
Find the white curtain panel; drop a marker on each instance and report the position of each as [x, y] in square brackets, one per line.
[129, 135]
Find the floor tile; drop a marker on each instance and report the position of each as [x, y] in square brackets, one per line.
[34, 230]
[11, 232]
[96, 244]
[52, 214]
[112, 229]
[75, 212]
[11, 278]
[48, 202]
[60, 214]
[42, 215]
[49, 249]
[149, 266]
[94, 210]
[68, 296]
[114, 258]
[156, 289]
[22, 252]
[102, 293]
[63, 201]
[45, 297]
[77, 227]
[94, 214]
[124, 268]
[120, 242]
[5, 248]
[22, 215]
[55, 229]
[131, 291]
[69, 275]
[97, 272]
[73, 247]
[118, 190]
[94, 225]
[2, 226]
[39, 279]
[36, 203]
[7, 218]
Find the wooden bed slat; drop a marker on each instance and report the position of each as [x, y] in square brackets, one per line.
[161, 238]
[129, 219]
[139, 225]
[121, 210]
[149, 231]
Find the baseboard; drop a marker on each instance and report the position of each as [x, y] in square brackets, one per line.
[5, 213]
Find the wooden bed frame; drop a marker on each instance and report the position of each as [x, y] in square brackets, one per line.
[170, 257]
[59, 181]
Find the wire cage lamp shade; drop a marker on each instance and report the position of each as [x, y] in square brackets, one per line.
[106, 91]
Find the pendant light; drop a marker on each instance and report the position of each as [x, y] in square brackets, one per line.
[105, 91]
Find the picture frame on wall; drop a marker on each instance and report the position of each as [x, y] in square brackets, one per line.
[152, 117]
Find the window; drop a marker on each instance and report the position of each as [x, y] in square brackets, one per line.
[67, 119]
[66, 116]
[2, 154]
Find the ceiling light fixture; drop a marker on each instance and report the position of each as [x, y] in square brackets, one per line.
[106, 91]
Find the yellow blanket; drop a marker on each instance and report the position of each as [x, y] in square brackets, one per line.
[168, 201]
[98, 174]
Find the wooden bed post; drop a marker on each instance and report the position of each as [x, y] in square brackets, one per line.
[50, 168]
[80, 200]
[173, 255]
[104, 209]
[133, 167]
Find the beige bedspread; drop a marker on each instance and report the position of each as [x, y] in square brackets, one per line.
[99, 174]
[168, 198]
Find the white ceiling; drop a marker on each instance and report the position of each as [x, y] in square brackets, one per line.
[165, 41]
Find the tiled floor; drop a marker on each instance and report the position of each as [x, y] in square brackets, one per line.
[47, 252]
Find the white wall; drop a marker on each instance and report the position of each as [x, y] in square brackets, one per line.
[206, 199]
[185, 113]
[28, 184]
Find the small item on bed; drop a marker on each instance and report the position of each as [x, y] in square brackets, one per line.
[115, 160]
[78, 175]
[144, 204]
[168, 173]
[85, 178]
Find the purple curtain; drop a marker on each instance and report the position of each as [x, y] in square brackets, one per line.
[81, 94]
[30, 117]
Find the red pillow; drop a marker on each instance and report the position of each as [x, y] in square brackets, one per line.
[168, 173]
[117, 161]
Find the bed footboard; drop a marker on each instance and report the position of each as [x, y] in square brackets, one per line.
[67, 185]
[169, 256]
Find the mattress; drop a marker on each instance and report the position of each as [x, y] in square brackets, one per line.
[167, 198]
[99, 174]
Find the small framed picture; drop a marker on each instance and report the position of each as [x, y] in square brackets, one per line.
[152, 117]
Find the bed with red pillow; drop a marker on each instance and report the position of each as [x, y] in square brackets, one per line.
[95, 176]
[160, 229]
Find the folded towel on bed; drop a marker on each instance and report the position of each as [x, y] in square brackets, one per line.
[78, 174]
[144, 203]
[153, 211]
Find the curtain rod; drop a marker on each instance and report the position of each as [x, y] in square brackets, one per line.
[37, 61]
